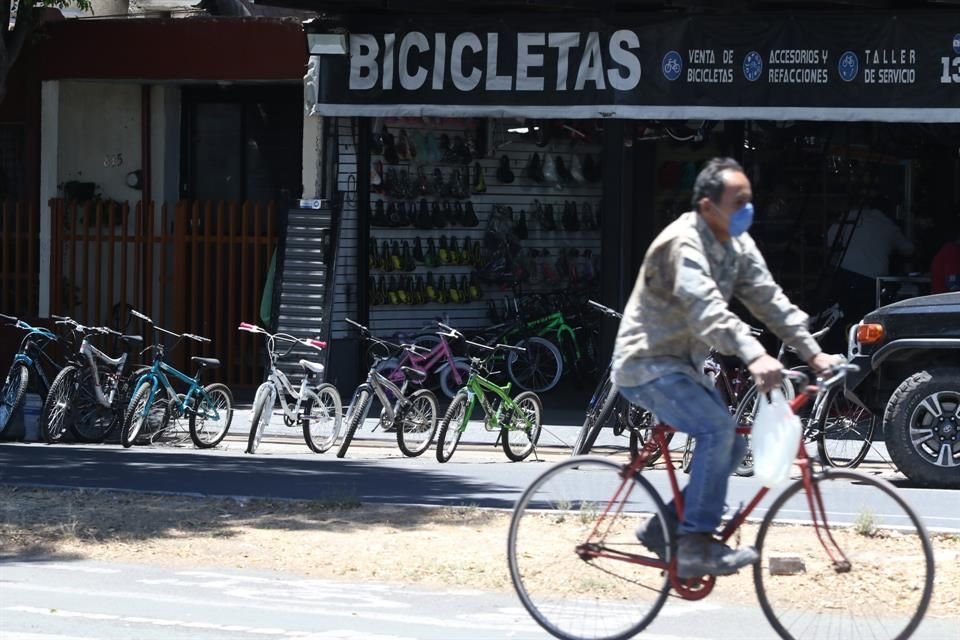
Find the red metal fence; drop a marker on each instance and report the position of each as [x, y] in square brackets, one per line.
[196, 267]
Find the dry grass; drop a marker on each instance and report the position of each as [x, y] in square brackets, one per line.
[333, 539]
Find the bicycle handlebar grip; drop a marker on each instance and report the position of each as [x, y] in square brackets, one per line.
[319, 344]
[246, 326]
[196, 337]
[136, 313]
[510, 347]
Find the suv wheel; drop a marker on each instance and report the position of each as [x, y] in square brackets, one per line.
[922, 427]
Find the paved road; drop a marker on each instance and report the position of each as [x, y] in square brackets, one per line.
[81, 600]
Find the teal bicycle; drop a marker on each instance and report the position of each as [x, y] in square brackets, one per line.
[518, 419]
[208, 408]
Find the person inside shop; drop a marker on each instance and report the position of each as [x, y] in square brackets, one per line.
[678, 309]
[872, 239]
[945, 267]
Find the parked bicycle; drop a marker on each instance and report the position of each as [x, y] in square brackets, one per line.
[413, 415]
[438, 360]
[608, 406]
[315, 407]
[579, 570]
[31, 362]
[88, 395]
[209, 408]
[518, 419]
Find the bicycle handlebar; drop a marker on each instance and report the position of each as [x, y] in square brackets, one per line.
[605, 309]
[4, 316]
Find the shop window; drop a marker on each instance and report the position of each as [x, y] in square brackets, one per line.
[467, 215]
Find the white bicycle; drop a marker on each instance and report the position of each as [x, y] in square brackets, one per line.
[316, 408]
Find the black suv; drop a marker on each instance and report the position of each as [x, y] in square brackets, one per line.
[909, 357]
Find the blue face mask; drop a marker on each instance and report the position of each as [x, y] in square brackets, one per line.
[741, 220]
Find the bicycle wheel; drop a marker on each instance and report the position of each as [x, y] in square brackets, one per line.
[57, 409]
[844, 431]
[137, 413]
[520, 435]
[211, 415]
[745, 414]
[13, 392]
[418, 424]
[601, 406]
[884, 589]
[561, 522]
[641, 423]
[263, 404]
[448, 382]
[538, 368]
[356, 413]
[322, 417]
[92, 423]
[450, 431]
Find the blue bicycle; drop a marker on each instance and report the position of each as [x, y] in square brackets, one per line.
[208, 408]
[30, 361]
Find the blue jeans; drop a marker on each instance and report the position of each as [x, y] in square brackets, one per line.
[688, 406]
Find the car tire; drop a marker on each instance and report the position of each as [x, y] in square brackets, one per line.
[923, 445]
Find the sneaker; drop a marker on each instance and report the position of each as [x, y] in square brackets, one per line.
[700, 554]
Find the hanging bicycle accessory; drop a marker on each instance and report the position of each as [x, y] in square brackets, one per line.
[775, 438]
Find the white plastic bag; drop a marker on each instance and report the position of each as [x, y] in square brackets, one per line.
[775, 438]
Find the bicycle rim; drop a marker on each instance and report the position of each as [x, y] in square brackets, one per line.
[538, 368]
[845, 432]
[322, 417]
[418, 423]
[521, 436]
[569, 594]
[890, 579]
[597, 412]
[14, 391]
[262, 412]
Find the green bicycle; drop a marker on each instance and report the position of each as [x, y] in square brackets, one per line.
[518, 419]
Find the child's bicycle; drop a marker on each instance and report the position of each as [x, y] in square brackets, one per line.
[413, 415]
[518, 419]
[209, 408]
[316, 408]
[581, 572]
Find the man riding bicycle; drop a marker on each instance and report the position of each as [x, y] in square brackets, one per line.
[678, 309]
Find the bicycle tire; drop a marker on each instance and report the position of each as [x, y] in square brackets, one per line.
[57, 409]
[447, 439]
[216, 397]
[518, 439]
[448, 384]
[844, 433]
[356, 413]
[13, 392]
[596, 417]
[326, 401]
[846, 606]
[418, 423]
[261, 415]
[597, 413]
[136, 415]
[573, 596]
[745, 414]
[92, 424]
[524, 368]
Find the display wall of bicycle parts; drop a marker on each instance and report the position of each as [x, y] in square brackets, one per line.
[513, 212]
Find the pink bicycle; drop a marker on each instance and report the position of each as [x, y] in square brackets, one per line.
[452, 371]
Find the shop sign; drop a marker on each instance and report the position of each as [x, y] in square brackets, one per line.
[813, 67]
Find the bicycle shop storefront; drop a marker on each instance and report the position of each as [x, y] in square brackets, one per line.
[483, 161]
